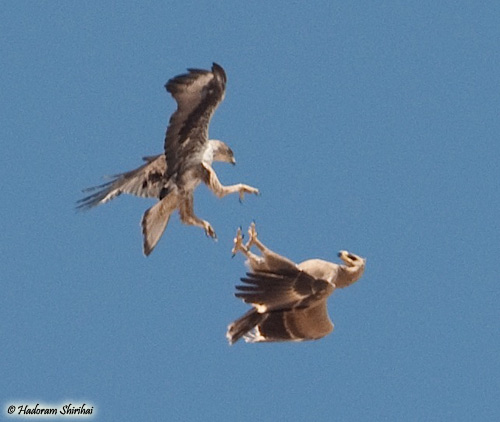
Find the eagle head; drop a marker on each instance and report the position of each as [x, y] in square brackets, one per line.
[222, 152]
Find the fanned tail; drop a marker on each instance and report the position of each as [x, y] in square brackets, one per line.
[155, 221]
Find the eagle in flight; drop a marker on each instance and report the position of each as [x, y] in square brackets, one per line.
[288, 300]
[173, 176]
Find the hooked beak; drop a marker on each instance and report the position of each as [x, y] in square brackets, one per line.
[233, 161]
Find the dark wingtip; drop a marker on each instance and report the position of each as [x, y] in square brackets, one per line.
[219, 70]
[147, 252]
[146, 249]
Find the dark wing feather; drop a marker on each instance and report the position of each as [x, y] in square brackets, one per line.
[146, 181]
[244, 324]
[296, 325]
[197, 93]
[282, 291]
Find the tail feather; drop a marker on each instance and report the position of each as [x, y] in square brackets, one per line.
[155, 221]
[243, 325]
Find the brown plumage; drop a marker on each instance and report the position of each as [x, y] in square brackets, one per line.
[173, 176]
[289, 301]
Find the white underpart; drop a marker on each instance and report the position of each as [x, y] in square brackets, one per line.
[261, 309]
[208, 154]
[254, 336]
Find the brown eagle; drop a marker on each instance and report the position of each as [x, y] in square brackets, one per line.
[187, 160]
[288, 300]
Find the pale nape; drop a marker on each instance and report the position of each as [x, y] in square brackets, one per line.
[173, 176]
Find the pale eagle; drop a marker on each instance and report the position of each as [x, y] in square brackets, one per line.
[288, 300]
[173, 176]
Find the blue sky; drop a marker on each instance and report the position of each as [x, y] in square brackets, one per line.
[369, 126]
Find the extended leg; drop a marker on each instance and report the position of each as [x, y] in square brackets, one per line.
[256, 262]
[187, 215]
[252, 239]
[269, 261]
[220, 190]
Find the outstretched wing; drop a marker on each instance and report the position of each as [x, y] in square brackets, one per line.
[298, 324]
[310, 323]
[287, 290]
[145, 181]
[198, 93]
